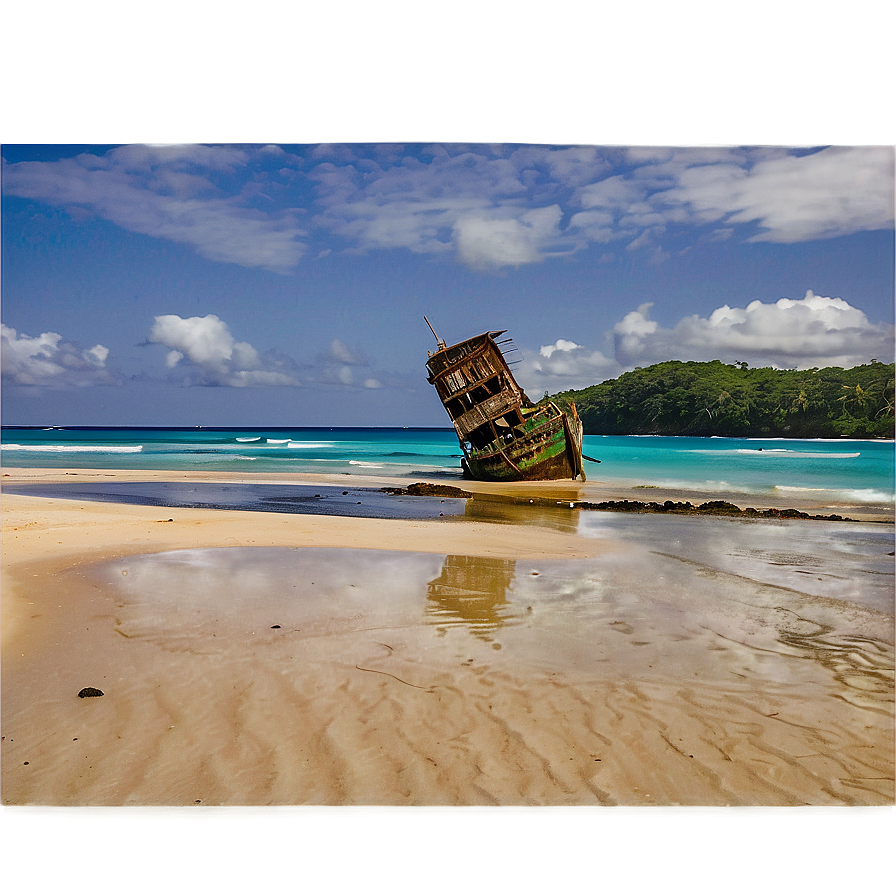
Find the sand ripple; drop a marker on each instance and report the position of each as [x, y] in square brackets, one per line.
[329, 676]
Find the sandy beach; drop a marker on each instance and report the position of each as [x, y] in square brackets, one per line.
[251, 658]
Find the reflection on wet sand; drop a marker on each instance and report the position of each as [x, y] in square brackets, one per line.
[493, 509]
[472, 591]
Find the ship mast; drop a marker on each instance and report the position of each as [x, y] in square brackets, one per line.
[440, 342]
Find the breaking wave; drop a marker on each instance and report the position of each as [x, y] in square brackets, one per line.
[77, 449]
[787, 452]
[292, 444]
[803, 490]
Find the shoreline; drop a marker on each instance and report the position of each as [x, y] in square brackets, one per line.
[591, 492]
[366, 702]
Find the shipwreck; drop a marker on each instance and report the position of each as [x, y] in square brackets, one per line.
[504, 436]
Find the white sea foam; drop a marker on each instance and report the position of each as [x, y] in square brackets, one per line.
[278, 441]
[838, 441]
[293, 444]
[768, 452]
[77, 449]
[799, 489]
[789, 452]
[253, 439]
[363, 463]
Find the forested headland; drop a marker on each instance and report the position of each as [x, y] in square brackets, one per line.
[709, 398]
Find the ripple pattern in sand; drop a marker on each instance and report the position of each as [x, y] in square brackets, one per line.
[326, 676]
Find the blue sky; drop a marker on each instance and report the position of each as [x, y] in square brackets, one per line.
[285, 285]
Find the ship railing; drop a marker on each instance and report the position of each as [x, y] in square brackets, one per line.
[484, 412]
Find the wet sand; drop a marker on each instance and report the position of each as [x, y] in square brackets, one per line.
[578, 659]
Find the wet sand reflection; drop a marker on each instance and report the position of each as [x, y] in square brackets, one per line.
[493, 509]
[472, 591]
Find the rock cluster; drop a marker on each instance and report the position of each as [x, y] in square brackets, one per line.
[428, 490]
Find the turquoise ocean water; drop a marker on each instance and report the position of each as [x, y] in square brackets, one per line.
[859, 472]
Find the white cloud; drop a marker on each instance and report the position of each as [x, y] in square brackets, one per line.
[564, 365]
[339, 351]
[396, 201]
[48, 360]
[814, 331]
[613, 193]
[561, 345]
[346, 366]
[484, 203]
[97, 354]
[572, 165]
[207, 343]
[154, 156]
[488, 206]
[790, 198]
[835, 192]
[484, 241]
[168, 192]
[636, 323]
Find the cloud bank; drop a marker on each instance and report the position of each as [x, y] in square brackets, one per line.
[48, 360]
[180, 193]
[496, 207]
[815, 331]
[488, 207]
[207, 353]
[216, 358]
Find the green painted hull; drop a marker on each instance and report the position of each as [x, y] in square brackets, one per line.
[550, 451]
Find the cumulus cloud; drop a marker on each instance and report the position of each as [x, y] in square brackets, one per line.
[563, 365]
[561, 345]
[178, 193]
[219, 360]
[48, 360]
[815, 331]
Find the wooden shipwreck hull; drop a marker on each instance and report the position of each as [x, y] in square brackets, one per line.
[503, 435]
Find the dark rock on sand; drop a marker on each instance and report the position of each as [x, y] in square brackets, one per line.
[711, 508]
[90, 692]
[429, 490]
